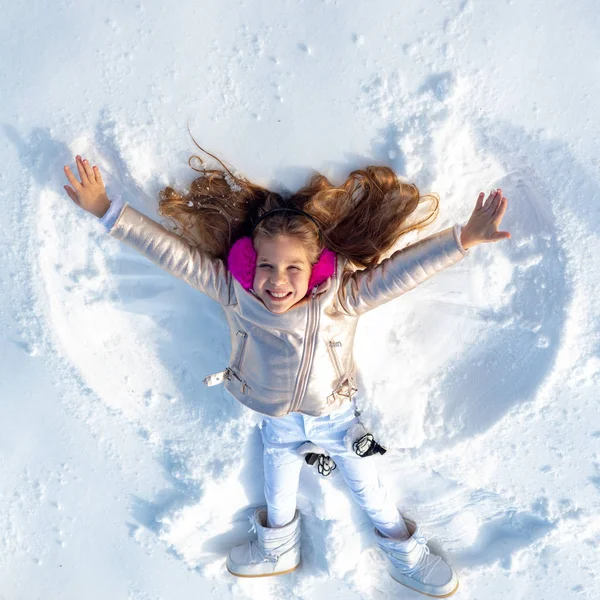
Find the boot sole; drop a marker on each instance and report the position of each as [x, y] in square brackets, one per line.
[264, 574]
[425, 593]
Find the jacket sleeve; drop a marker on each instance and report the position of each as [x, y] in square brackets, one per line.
[361, 291]
[172, 253]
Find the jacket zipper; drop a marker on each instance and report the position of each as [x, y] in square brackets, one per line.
[343, 377]
[309, 351]
[331, 346]
[237, 363]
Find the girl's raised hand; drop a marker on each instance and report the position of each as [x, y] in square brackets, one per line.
[89, 193]
[484, 222]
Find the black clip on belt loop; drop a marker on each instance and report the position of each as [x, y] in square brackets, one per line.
[367, 446]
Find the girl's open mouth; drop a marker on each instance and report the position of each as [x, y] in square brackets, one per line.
[278, 296]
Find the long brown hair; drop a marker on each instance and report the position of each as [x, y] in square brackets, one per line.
[360, 220]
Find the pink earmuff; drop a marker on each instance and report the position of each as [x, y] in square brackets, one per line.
[241, 261]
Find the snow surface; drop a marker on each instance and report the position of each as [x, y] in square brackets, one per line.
[122, 476]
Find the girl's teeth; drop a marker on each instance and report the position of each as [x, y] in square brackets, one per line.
[278, 295]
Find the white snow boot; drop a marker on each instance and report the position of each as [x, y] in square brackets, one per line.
[412, 564]
[276, 552]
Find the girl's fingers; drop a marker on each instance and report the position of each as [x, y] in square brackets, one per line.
[479, 202]
[502, 206]
[488, 201]
[492, 201]
[81, 169]
[98, 175]
[89, 171]
[497, 201]
[72, 195]
[72, 179]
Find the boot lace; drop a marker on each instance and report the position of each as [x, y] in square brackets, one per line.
[257, 550]
[424, 567]
[257, 555]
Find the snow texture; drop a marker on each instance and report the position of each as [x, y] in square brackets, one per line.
[122, 476]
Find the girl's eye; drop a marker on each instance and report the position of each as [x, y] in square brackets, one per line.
[269, 267]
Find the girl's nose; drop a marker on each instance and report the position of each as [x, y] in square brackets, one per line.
[277, 277]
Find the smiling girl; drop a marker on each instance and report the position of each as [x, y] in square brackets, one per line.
[293, 276]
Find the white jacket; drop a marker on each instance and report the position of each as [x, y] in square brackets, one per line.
[301, 360]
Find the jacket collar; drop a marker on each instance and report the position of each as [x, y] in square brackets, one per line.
[252, 309]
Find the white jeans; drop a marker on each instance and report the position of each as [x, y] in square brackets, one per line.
[282, 436]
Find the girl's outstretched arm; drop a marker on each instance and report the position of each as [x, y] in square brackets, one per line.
[164, 248]
[362, 291]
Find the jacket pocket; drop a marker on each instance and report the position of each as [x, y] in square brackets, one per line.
[335, 359]
[232, 373]
[241, 338]
[236, 366]
[345, 386]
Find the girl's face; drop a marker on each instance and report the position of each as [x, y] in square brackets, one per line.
[282, 271]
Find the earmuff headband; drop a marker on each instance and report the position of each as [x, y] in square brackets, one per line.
[292, 210]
